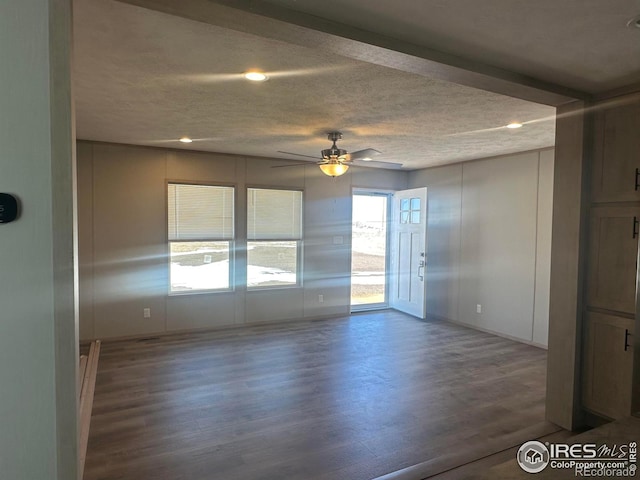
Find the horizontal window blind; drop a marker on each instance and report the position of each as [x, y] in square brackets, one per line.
[200, 212]
[274, 214]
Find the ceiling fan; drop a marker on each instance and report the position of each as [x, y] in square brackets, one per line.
[336, 161]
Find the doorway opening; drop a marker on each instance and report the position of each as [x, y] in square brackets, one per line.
[369, 248]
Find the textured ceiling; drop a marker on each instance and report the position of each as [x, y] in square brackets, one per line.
[144, 77]
[582, 44]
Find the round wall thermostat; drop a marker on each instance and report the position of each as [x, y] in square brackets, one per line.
[8, 208]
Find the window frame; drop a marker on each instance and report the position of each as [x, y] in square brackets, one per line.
[232, 242]
[299, 241]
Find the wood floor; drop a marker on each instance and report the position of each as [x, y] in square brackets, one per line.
[352, 398]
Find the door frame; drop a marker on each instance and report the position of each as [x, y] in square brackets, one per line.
[373, 192]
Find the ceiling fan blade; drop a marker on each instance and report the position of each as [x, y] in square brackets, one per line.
[305, 164]
[362, 163]
[360, 154]
[298, 154]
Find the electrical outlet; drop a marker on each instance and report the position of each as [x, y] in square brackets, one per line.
[147, 313]
[320, 298]
[478, 308]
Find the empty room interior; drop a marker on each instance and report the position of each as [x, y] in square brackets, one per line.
[301, 240]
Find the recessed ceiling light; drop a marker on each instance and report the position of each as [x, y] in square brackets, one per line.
[186, 140]
[514, 125]
[255, 76]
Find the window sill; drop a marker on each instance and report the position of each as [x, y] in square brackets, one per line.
[274, 288]
[199, 292]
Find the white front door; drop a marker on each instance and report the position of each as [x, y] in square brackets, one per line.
[409, 251]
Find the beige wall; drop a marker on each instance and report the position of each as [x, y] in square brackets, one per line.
[489, 240]
[123, 246]
[542, 290]
[444, 197]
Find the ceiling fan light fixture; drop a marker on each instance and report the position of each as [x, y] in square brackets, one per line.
[334, 153]
[336, 161]
[334, 169]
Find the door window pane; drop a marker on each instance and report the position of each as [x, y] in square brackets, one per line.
[414, 211]
[405, 210]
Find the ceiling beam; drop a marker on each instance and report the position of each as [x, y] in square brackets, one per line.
[270, 21]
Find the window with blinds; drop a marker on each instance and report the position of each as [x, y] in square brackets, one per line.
[200, 212]
[274, 236]
[201, 231]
